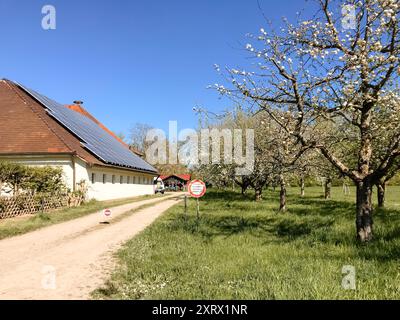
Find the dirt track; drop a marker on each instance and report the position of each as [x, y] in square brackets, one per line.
[70, 259]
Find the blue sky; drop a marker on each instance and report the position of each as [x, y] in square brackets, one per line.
[132, 61]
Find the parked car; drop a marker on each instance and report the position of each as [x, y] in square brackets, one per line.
[159, 186]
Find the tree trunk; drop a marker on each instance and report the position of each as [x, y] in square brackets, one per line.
[381, 186]
[302, 187]
[346, 189]
[364, 211]
[282, 195]
[258, 194]
[328, 185]
[244, 186]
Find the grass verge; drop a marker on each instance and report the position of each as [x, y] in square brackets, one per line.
[245, 250]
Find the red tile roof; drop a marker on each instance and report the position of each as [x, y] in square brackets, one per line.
[26, 128]
[23, 127]
[185, 177]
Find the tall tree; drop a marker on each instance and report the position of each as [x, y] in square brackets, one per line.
[342, 69]
[137, 136]
[381, 184]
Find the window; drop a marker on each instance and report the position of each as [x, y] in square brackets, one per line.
[93, 177]
[134, 179]
[138, 180]
[104, 178]
[121, 179]
[128, 179]
[113, 179]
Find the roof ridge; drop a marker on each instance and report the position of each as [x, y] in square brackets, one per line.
[36, 113]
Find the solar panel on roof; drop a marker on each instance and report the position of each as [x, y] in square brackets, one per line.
[94, 138]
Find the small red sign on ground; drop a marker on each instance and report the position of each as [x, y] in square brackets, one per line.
[107, 212]
[197, 188]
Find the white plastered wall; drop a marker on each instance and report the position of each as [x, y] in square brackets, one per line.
[130, 186]
[97, 189]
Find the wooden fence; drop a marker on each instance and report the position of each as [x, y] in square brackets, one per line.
[31, 204]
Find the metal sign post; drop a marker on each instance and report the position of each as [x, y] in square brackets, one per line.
[185, 206]
[198, 209]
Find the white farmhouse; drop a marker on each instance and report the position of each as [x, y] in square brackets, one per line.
[36, 130]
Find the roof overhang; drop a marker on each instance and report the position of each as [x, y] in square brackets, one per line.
[123, 168]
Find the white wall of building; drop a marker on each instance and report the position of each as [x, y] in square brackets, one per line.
[137, 184]
[65, 162]
[105, 183]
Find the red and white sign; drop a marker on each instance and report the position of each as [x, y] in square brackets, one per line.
[197, 188]
[107, 212]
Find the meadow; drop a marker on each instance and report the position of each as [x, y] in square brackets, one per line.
[241, 249]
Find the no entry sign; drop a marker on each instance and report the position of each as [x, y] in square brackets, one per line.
[197, 188]
[107, 212]
[105, 215]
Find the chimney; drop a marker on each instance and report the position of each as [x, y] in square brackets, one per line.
[78, 102]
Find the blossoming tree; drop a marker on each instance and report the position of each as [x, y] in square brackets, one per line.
[340, 66]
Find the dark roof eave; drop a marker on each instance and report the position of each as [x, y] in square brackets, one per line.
[123, 168]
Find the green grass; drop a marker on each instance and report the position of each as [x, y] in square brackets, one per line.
[19, 225]
[246, 250]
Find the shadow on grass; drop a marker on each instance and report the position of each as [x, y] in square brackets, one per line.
[311, 219]
[333, 208]
[316, 215]
[306, 206]
[382, 252]
[317, 203]
[278, 228]
[291, 230]
[227, 195]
